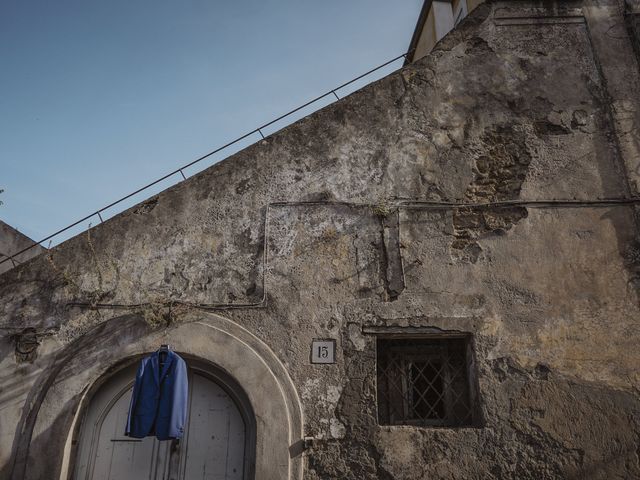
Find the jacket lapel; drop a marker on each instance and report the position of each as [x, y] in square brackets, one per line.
[167, 363]
[155, 368]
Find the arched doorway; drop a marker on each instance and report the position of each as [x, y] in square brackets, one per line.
[219, 440]
[51, 422]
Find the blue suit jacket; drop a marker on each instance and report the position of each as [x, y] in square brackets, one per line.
[159, 400]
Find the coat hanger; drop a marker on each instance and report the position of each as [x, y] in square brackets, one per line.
[163, 352]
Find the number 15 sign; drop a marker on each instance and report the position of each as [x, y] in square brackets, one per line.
[323, 351]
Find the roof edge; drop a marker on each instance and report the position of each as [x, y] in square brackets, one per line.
[426, 6]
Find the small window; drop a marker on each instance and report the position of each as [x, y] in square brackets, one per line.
[426, 382]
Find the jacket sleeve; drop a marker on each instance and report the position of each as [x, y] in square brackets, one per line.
[182, 388]
[134, 396]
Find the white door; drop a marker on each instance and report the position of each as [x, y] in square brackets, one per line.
[213, 447]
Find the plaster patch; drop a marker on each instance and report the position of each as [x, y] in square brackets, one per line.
[355, 337]
[337, 428]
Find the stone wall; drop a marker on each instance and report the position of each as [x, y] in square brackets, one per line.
[460, 194]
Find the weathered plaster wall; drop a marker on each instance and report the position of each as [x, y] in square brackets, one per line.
[11, 242]
[632, 15]
[325, 230]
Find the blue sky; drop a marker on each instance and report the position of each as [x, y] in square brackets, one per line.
[98, 98]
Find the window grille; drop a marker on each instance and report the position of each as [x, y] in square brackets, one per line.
[425, 382]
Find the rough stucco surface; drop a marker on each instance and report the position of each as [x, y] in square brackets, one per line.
[632, 15]
[12, 241]
[521, 102]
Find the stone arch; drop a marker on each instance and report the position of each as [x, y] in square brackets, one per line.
[80, 369]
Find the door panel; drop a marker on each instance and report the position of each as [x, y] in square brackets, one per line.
[213, 447]
[118, 456]
[215, 440]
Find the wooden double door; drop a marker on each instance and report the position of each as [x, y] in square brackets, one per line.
[216, 445]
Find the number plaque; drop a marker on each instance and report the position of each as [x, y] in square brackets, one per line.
[323, 351]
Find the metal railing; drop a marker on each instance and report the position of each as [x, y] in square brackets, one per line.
[181, 169]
